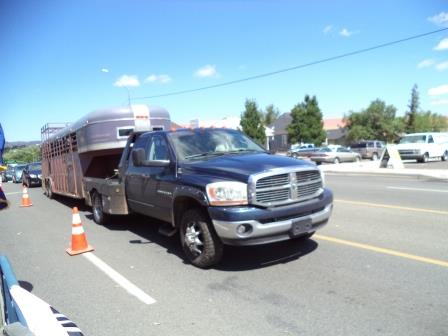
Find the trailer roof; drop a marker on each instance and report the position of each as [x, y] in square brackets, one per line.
[104, 115]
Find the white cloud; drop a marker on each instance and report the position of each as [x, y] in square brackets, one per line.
[162, 79]
[346, 33]
[443, 45]
[206, 71]
[438, 90]
[439, 102]
[328, 29]
[104, 70]
[425, 63]
[127, 81]
[440, 19]
[442, 66]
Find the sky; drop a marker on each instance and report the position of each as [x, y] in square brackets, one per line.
[60, 60]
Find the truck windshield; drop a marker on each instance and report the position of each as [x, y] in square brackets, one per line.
[205, 143]
[413, 139]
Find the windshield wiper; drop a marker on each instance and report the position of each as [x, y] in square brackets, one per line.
[242, 150]
[201, 155]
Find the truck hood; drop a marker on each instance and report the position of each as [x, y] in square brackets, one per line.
[240, 167]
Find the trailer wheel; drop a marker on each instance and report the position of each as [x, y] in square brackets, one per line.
[97, 208]
[200, 243]
[48, 189]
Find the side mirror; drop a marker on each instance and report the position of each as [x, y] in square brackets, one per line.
[138, 156]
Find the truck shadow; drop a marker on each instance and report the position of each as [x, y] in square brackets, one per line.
[235, 258]
[254, 257]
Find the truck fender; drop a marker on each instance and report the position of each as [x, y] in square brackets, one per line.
[185, 197]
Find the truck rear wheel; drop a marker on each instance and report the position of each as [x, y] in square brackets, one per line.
[199, 241]
[97, 209]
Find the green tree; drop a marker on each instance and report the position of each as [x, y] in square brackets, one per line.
[430, 122]
[306, 125]
[252, 123]
[270, 115]
[378, 122]
[23, 155]
[411, 115]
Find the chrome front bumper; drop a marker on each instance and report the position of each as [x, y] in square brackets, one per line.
[262, 233]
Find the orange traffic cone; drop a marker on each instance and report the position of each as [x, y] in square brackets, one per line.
[26, 201]
[79, 240]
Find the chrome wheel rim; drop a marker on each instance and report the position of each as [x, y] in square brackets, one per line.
[96, 208]
[193, 240]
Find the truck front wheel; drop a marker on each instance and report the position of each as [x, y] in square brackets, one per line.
[200, 243]
[97, 208]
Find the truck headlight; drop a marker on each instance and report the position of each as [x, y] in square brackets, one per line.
[227, 193]
[32, 176]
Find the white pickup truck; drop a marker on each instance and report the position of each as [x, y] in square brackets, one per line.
[423, 146]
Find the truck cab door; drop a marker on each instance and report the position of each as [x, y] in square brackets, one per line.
[143, 183]
[159, 193]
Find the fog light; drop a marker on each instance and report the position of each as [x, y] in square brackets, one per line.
[244, 229]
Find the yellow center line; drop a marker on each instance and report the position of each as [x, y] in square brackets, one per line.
[384, 251]
[389, 206]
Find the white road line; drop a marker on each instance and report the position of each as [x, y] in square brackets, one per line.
[119, 279]
[418, 189]
[13, 193]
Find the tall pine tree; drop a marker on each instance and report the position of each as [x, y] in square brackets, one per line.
[412, 114]
[306, 125]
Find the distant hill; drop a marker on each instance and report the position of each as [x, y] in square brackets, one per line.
[17, 144]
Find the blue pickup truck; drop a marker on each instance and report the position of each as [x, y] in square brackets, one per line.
[213, 186]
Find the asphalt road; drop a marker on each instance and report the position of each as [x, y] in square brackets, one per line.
[379, 268]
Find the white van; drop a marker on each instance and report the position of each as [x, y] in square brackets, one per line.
[423, 146]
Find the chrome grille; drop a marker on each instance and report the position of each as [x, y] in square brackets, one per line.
[273, 181]
[271, 189]
[273, 195]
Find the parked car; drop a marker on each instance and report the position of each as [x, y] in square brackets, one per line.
[423, 146]
[32, 174]
[17, 173]
[303, 152]
[298, 148]
[369, 149]
[334, 155]
[9, 172]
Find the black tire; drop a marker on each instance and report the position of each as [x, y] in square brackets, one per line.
[374, 157]
[357, 159]
[97, 209]
[336, 160]
[49, 189]
[199, 241]
[445, 156]
[424, 159]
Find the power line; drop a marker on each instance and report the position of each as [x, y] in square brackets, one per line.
[301, 66]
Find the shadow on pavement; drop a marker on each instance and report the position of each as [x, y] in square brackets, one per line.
[234, 259]
[253, 257]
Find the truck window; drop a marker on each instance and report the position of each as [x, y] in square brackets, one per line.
[430, 139]
[157, 149]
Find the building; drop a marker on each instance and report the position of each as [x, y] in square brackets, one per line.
[334, 127]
